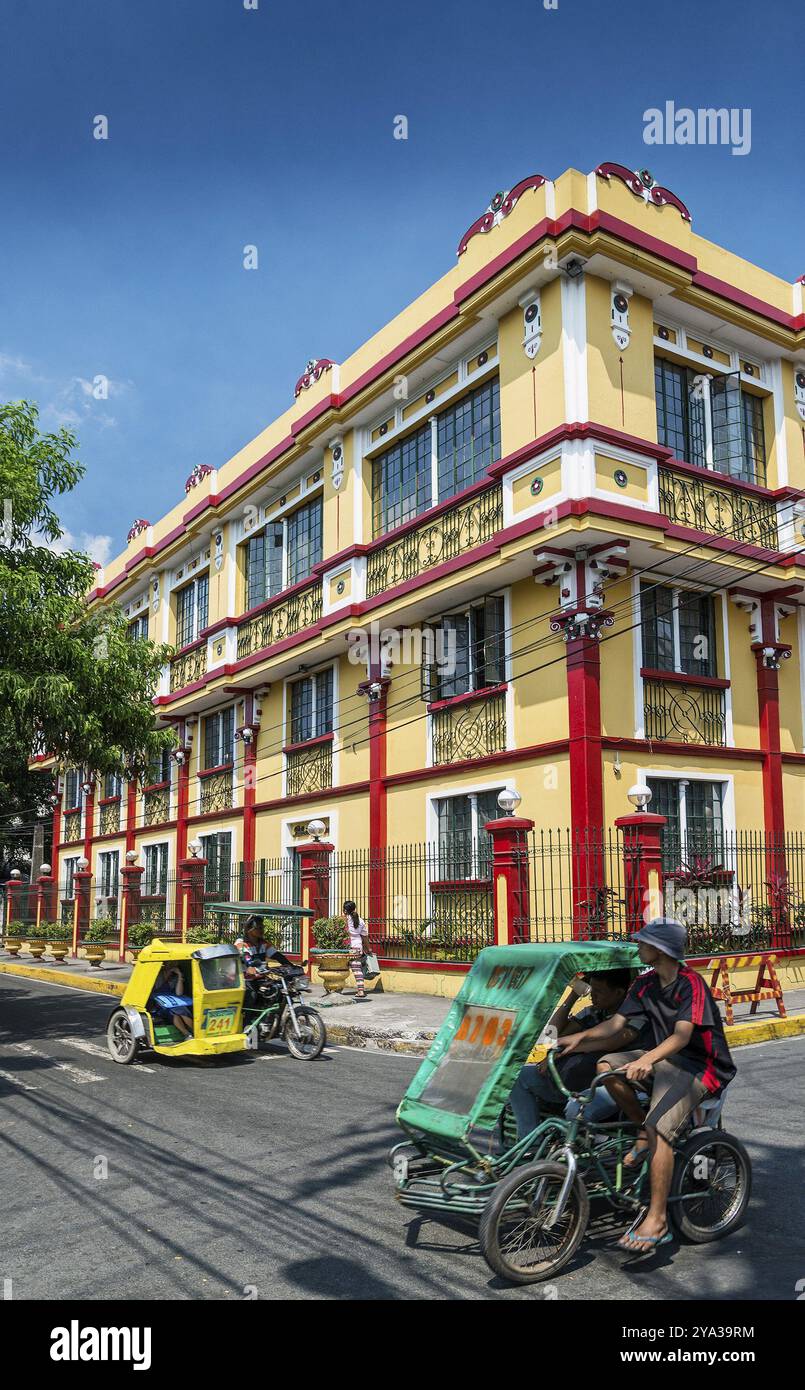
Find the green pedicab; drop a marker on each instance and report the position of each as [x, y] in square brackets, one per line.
[532, 1197]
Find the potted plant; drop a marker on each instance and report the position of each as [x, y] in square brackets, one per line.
[139, 935]
[331, 952]
[37, 940]
[204, 934]
[12, 941]
[98, 935]
[57, 936]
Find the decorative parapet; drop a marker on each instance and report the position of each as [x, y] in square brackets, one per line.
[137, 529]
[282, 619]
[452, 533]
[464, 731]
[643, 185]
[189, 667]
[500, 207]
[200, 472]
[721, 510]
[315, 368]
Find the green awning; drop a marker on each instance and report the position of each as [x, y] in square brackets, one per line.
[258, 910]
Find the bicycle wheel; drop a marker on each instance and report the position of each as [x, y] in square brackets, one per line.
[515, 1240]
[311, 1038]
[713, 1179]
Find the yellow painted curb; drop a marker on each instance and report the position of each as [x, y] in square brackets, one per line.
[765, 1030]
[64, 977]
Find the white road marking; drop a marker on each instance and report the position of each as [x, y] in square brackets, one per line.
[15, 1081]
[81, 1077]
[95, 1050]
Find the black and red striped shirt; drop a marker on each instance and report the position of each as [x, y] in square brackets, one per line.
[685, 1000]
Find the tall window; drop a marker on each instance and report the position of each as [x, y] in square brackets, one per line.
[470, 651]
[159, 769]
[111, 784]
[679, 631]
[304, 540]
[710, 421]
[70, 866]
[465, 850]
[108, 874]
[464, 439]
[217, 850]
[155, 877]
[695, 812]
[219, 733]
[192, 608]
[312, 706]
[137, 630]
[264, 564]
[72, 794]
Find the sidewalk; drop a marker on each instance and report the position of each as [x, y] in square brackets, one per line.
[390, 1022]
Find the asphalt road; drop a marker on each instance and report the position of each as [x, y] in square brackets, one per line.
[265, 1177]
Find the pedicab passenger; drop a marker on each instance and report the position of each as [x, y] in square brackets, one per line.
[170, 999]
[688, 1060]
[534, 1086]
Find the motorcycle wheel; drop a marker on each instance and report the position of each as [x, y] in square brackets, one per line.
[312, 1034]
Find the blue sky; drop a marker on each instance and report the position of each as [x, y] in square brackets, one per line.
[274, 127]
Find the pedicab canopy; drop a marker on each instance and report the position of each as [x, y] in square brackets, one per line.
[502, 1007]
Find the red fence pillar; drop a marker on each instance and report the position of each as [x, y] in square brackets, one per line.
[642, 865]
[510, 889]
[82, 882]
[314, 867]
[46, 896]
[191, 887]
[14, 889]
[131, 904]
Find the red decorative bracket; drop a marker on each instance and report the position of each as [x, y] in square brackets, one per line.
[314, 369]
[201, 471]
[643, 185]
[500, 207]
[137, 529]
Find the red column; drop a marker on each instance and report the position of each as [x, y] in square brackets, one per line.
[378, 825]
[82, 881]
[89, 822]
[55, 838]
[131, 905]
[586, 781]
[249, 814]
[642, 865]
[182, 797]
[314, 864]
[191, 880]
[131, 813]
[510, 887]
[47, 905]
[769, 652]
[14, 889]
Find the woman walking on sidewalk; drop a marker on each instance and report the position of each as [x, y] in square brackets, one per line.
[357, 932]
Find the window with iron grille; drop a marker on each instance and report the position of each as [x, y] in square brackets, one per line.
[217, 850]
[159, 768]
[710, 420]
[465, 850]
[695, 813]
[192, 608]
[137, 630]
[680, 411]
[70, 866]
[312, 706]
[465, 439]
[304, 541]
[108, 873]
[739, 445]
[264, 564]
[678, 630]
[470, 651]
[219, 733]
[155, 877]
[72, 794]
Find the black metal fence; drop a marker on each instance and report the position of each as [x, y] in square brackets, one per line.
[576, 886]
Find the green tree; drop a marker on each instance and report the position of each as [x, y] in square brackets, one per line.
[71, 681]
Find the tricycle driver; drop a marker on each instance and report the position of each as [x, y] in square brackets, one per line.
[687, 1061]
[534, 1087]
[254, 949]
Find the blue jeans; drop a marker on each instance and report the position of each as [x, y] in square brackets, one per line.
[533, 1087]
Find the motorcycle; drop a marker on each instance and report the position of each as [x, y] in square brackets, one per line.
[273, 1009]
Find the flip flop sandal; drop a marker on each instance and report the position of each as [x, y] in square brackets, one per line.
[635, 1155]
[643, 1245]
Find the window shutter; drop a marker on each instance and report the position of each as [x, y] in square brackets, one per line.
[210, 741]
[728, 433]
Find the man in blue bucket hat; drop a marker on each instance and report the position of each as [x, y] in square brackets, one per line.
[686, 1061]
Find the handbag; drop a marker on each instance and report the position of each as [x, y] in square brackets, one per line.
[371, 965]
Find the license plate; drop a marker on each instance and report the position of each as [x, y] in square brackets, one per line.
[400, 1169]
[219, 1020]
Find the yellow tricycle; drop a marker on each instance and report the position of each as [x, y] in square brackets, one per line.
[182, 1000]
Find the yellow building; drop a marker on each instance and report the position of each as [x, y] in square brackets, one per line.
[544, 531]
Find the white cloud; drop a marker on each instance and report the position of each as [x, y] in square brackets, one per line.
[99, 548]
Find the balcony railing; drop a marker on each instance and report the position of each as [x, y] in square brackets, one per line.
[474, 730]
[452, 533]
[189, 667]
[722, 511]
[109, 818]
[681, 710]
[216, 791]
[283, 619]
[72, 826]
[156, 805]
[309, 769]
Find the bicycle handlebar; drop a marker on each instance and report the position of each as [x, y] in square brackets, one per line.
[600, 1080]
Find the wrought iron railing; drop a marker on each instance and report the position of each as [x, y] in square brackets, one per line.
[453, 532]
[722, 511]
[283, 619]
[469, 730]
[216, 791]
[72, 826]
[309, 769]
[109, 818]
[684, 712]
[156, 805]
[189, 667]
